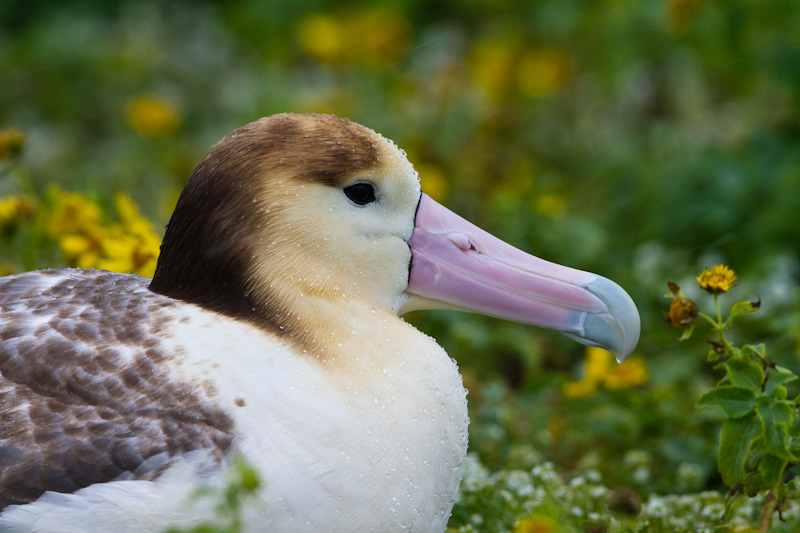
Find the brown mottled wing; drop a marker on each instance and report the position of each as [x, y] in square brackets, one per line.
[84, 396]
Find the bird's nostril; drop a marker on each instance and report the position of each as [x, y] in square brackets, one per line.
[462, 241]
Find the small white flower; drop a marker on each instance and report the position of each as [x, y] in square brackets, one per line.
[577, 482]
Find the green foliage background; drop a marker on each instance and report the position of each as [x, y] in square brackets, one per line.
[641, 140]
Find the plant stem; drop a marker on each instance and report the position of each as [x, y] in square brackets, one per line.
[770, 504]
[708, 319]
[720, 327]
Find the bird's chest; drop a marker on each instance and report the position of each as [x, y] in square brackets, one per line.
[373, 443]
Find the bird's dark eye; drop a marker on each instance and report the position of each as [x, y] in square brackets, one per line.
[360, 193]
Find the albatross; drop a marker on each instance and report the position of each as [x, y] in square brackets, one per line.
[270, 332]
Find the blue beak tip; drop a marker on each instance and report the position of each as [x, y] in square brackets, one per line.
[618, 329]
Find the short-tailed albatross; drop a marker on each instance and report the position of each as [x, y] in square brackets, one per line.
[270, 332]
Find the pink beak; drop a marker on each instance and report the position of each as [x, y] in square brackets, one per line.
[457, 265]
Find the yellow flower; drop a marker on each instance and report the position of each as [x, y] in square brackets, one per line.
[75, 223]
[11, 142]
[433, 181]
[130, 246]
[86, 240]
[536, 523]
[631, 373]
[127, 253]
[81, 250]
[153, 116]
[491, 66]
[72, 213]
[597, 365]
[15, 208]
[552, 205]
[542, 71]
[322, 37]
[579, 389]
[129, 216]
[717, 280]
[375, 37]
[601, 370]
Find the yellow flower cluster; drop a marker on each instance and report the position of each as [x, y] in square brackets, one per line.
[717, 280]
[536, 523]
[601, 370]
[77, 225]
[153, 116]
[376, 37]
[501, 67]
[14, 209]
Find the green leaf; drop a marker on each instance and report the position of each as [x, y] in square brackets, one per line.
[780, 393]
[781, 377]
[687, 334]
[745, 374]
[735, 401]
[756, 453]
[753, 482]
[771, 468]
[734, 445]
[742, 308]
[749, 349]
[794, 431]
[776, 419]
[728, 512]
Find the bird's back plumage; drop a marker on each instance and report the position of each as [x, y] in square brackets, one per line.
[86, 397]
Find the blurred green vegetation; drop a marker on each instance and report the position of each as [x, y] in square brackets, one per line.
[641, 140]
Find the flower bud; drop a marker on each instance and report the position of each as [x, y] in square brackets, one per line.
[682, 313]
